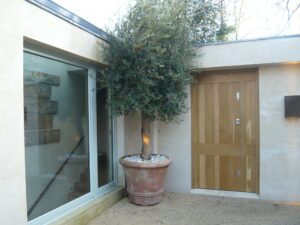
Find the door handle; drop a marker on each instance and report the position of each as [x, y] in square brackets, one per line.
[237, 121]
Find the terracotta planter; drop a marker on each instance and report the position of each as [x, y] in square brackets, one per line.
[145, 181]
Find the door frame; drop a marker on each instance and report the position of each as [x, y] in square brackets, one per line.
[225, 192]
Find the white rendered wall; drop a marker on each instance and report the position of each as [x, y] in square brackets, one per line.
[21, 21]
[46, 28]
[279, 136]
[12, 161]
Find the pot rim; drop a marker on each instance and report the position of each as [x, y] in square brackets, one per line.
[144, 164]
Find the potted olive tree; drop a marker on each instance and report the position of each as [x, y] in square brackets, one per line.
[148, 69]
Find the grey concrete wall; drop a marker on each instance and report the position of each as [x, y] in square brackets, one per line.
[174, 140]
[279, 139]
[278, 62]
[279, 136]
[119, 148]
[133, 141]
[248, 53]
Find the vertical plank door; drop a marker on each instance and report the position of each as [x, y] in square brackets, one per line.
[225, 131]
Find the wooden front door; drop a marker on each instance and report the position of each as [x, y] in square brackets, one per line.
[225, 131]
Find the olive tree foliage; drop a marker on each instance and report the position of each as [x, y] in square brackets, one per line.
[149, 52]
[148, 55]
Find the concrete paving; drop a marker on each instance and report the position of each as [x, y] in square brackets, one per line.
[190, 209]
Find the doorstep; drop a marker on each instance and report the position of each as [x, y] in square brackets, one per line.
[233, 194]
[83, 215]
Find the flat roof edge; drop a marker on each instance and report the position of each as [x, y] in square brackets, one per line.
[70, 17]
[248, 40]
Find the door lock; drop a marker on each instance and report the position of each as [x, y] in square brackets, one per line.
[237, 121]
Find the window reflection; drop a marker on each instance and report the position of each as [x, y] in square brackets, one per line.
[56, 133]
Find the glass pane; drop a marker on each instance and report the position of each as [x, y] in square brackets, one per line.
[56, 133]
[104, 127]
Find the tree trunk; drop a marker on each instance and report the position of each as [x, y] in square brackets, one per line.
[154, 133]
[146, 138]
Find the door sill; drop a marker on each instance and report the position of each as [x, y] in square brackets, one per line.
[233, 194]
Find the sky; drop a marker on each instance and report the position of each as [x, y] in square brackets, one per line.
[101, 13]
[263, 18]
[259, 18]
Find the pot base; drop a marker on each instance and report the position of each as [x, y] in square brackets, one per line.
[145, 199]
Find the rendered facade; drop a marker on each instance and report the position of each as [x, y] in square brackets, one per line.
[60, 148]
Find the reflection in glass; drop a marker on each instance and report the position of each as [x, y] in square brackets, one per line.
[56, 133]
[104, 127]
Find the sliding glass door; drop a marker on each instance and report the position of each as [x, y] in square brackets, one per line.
[58, 153]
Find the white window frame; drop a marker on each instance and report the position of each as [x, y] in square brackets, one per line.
[95, 191]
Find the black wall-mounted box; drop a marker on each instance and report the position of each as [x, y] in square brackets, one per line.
[292, 106]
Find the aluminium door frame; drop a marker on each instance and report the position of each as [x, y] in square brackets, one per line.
[95, 191]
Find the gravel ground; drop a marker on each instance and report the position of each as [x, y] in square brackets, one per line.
[189, 209]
